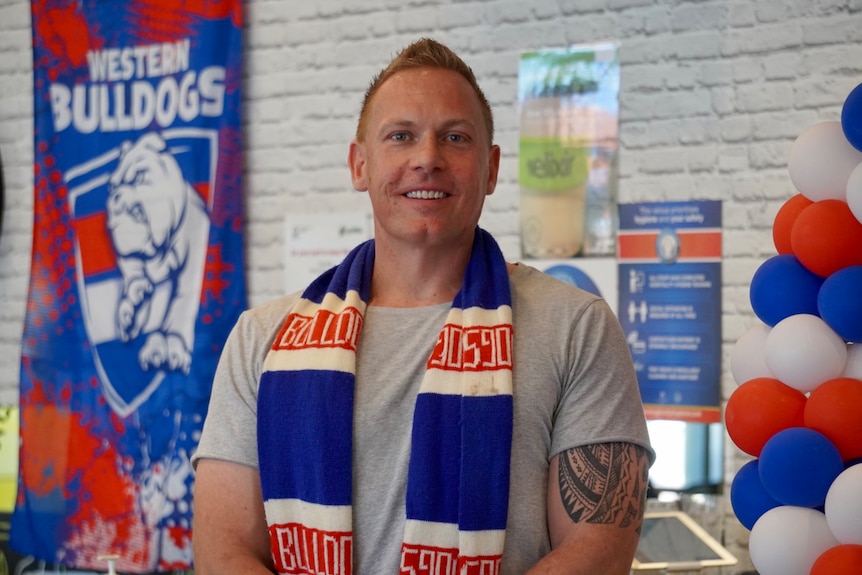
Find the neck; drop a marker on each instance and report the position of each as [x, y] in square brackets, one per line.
[416, 279]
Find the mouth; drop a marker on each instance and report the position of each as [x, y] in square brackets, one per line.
[426, 195]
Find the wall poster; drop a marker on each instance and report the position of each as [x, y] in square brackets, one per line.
[137, 274]
[670, 305]
[569, 106]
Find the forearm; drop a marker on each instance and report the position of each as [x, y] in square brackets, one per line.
[226, 564]
[230, 534]
[590, 558]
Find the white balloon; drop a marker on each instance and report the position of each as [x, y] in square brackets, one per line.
[844, 506]
[821, 160]
[787, 540]
[748, 359]
[803, 352]
[854, 192]
[853, 367]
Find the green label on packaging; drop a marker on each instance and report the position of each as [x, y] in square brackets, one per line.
[552, 165]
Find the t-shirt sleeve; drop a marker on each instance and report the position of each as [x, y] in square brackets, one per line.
[230, 429]
[600, 401]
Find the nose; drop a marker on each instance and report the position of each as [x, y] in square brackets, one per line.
[428, 155]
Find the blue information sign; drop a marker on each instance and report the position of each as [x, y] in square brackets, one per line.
[670, 305]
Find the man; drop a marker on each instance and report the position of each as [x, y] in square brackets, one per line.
[425, 407]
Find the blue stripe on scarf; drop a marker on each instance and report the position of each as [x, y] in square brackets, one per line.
[341, 278]
[472, 436]
[306, 434]
[492, 288]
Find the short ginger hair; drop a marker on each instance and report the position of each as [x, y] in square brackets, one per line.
[425, 53]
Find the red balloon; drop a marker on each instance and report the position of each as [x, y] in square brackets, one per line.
[838, 560]
[834, 408]
[784, 220]
[760, 408]
[826, 237]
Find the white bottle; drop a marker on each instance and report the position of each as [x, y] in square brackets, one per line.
[112, 562]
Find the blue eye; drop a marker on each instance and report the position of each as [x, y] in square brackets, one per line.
[399, 136]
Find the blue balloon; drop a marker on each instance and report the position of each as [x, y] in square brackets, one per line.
[782, 287]
[840, 303]
[798, 465]
[851, 117]
[748, 497]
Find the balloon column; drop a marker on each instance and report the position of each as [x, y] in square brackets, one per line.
[797, 408]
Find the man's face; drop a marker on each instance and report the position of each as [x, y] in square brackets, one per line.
[425, 159]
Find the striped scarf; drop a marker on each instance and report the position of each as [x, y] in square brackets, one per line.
[458, 475]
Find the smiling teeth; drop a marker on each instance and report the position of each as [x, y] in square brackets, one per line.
[426, 195]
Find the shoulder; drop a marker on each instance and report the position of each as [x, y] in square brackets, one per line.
[263, 320]
[535, 290]
[525, 277]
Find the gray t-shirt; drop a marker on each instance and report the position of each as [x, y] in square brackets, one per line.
[574, 385]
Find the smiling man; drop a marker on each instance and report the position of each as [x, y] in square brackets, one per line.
[425, 406]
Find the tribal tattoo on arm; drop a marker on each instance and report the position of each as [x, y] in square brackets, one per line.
[605, 483]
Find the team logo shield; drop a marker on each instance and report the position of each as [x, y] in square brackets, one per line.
[140, 214]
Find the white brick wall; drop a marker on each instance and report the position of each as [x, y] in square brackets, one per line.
[713, 94]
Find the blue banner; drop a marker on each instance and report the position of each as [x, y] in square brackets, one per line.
[670, 305]
[137, 273]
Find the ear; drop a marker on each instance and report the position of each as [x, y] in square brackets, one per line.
[356, 161]
[493, 168]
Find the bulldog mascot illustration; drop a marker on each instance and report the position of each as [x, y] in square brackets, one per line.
[159, 227]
